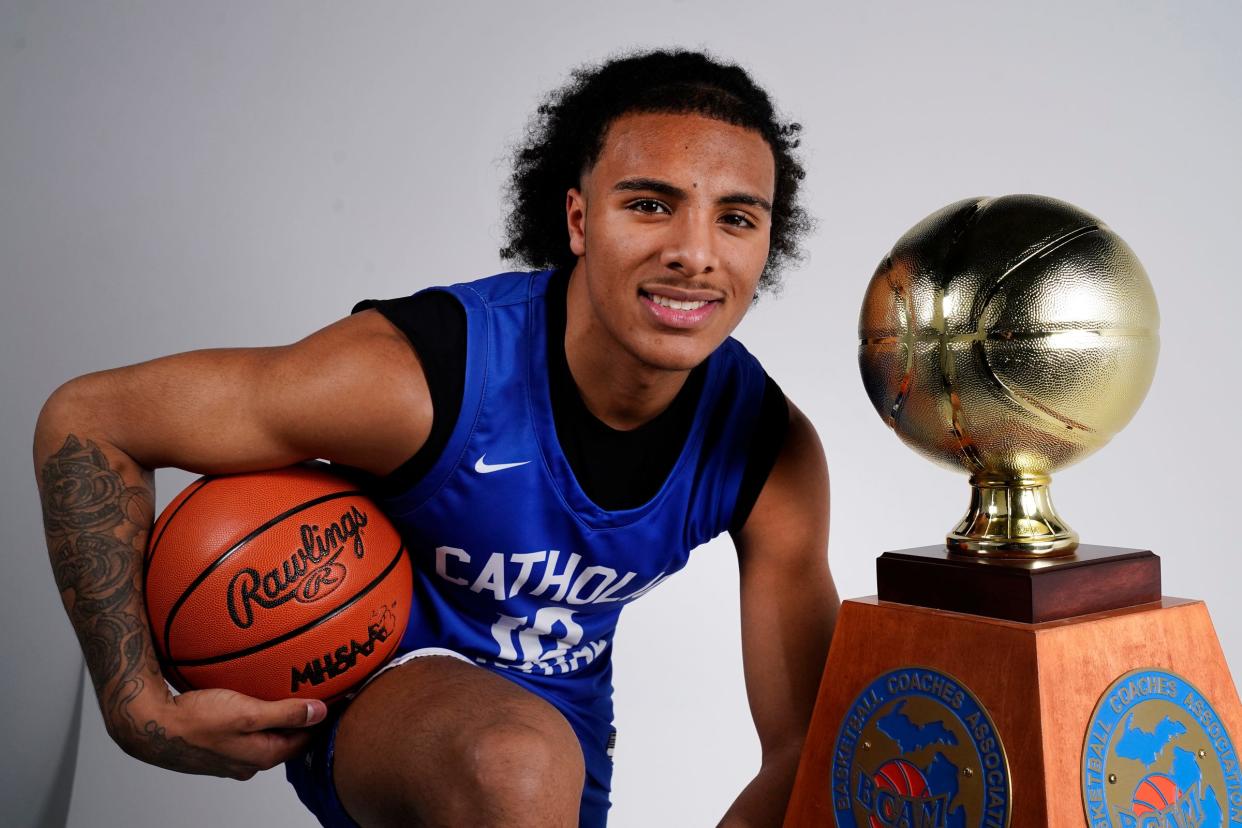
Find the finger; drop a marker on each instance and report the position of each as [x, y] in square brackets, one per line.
[286, 713]
[271, 748]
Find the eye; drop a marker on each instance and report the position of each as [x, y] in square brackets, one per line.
[737, 220]
[648, 206]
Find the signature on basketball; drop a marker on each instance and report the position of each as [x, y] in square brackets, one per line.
[310, 573]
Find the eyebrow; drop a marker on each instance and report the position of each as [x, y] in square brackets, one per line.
[655, 185]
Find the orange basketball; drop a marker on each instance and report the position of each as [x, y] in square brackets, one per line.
[277, 584]
[899, 777]
[1155, 793]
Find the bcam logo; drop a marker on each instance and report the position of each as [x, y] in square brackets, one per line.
[918, 750]
[1157, 755]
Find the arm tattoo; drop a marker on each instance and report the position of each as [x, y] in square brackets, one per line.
[97, 528]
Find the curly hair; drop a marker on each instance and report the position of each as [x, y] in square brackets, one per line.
[566, 136]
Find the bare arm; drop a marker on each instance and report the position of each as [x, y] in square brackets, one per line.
[352, 393]
[789, 607]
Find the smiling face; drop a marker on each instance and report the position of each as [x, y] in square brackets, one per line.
[671, 226]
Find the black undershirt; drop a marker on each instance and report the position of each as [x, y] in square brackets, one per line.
[616, 469]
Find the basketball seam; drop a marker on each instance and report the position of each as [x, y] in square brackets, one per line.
[1031, 404]
[201, 484]
[899, 403]
[905, 774]
[958, 420]
[1147, 781]
[150, 557]
[948, 368]
[280, 639]
[1046, 248]
[202, 576]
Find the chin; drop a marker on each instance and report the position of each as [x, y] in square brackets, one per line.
[674, 356]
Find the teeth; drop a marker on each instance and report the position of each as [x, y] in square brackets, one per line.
[675, 304]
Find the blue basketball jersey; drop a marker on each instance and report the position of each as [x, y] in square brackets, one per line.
[514, 566]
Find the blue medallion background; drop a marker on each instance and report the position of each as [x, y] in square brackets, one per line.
[940, 773]
[1148, 747]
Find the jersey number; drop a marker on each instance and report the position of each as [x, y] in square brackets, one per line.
[514, 634]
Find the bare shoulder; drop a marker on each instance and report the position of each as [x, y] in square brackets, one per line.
[803, 452]
[372, 407]
[364, 343]
[791, 513]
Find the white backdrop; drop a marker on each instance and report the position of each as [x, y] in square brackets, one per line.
[184, 175]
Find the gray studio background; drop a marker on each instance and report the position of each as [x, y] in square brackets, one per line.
[179, 176]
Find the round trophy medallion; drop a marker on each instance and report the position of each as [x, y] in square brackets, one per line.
[1158, 756]
[918, 750]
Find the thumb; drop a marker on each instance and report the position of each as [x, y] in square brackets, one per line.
[287, 713]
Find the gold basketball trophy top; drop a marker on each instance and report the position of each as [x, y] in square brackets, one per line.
[1009, 337]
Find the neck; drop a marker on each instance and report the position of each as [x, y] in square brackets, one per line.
[621, 390]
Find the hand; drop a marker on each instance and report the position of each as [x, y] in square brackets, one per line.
[219, 732]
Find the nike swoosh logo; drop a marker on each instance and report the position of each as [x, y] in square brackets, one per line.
[488, 468]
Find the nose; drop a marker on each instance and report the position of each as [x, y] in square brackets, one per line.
[690, 247]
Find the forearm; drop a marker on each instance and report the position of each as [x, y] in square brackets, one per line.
[98, 504]
[97, 514]
[764, 799]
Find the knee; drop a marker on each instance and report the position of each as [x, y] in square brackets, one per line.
[533, 766]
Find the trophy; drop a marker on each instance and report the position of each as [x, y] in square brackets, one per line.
[1014, 675]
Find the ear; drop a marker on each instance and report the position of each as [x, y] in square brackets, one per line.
[575, 218]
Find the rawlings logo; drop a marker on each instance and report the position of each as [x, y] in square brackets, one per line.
[307, 575]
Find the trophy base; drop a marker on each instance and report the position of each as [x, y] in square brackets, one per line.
[1039, 684]
[1093, 579]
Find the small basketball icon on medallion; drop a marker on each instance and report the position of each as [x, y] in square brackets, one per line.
[896, 781]
[1156, 793]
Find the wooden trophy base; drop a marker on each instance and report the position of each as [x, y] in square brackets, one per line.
[1039, 682]
[1093, 579]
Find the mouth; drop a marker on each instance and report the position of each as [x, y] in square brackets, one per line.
[680, 308]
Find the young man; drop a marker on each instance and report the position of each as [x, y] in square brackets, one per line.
[551, 444]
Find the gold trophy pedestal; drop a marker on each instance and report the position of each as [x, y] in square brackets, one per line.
[1039, 683]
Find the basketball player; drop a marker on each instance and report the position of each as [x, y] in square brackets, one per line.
[552, 444]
